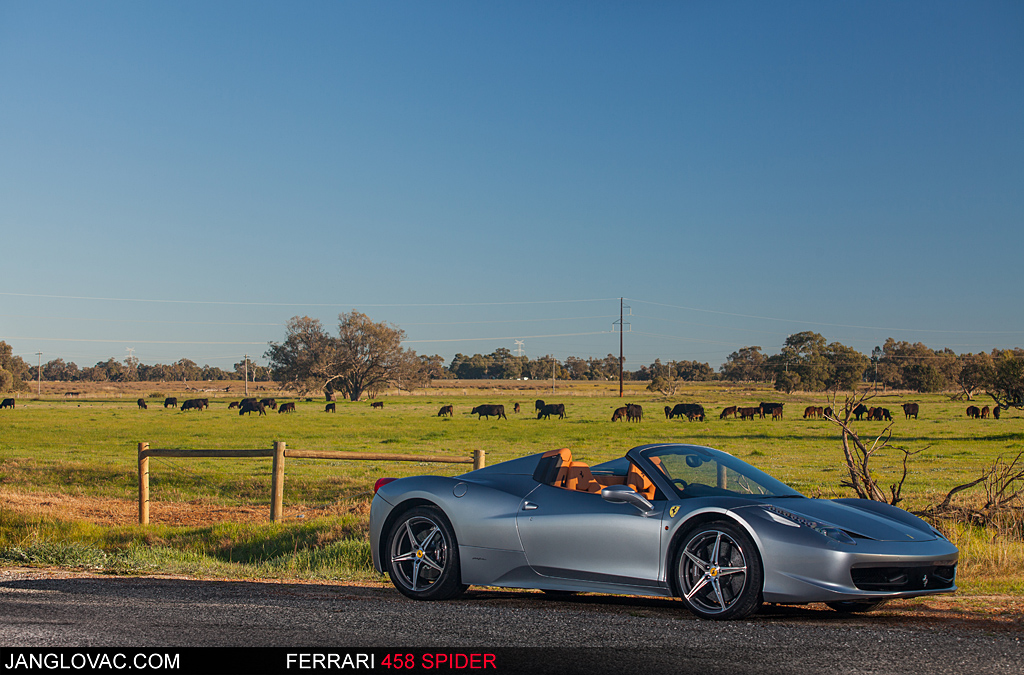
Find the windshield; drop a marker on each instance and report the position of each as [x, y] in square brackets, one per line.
[703, 472]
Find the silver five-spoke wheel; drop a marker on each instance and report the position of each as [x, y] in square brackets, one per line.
[423, 555]
[719, 572]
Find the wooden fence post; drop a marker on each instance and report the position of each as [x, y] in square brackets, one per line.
[143, 484]
[479, 459]
[277, 483]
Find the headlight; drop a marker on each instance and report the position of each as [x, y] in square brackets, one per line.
[831, 531]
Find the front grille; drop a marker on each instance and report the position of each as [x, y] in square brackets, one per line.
[930, 577]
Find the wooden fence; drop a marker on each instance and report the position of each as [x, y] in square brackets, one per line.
[278, 453]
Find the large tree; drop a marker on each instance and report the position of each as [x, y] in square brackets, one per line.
[366, 357]
[1007, 386]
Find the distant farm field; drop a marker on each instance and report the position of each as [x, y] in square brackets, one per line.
[85, 448]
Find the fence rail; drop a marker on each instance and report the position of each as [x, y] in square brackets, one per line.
[278, 453]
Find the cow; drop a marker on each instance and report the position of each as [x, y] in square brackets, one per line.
[171, 402]
[233, 404]
[192, 404]
[489, 411]
[619, 414]
[286, 407]
[550, 409]
[769, 409]
[748, 413]
[204, 402]
[446, 411]
[827, 412]
[7, 403]
[269, 403]
[516, 409]
[810, 411]
[538, 405]
[860, 411]
[330, 407]
[668, 412]
[251, 405]
[377, 404]
[995, 412]
[974, 411]
[911, 409]
[880, 414]
[692, 411]
[777, 413]
[984, 413]
[731, 410]
[141, 403]
[634, 412]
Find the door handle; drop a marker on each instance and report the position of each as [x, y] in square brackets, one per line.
[529, 506]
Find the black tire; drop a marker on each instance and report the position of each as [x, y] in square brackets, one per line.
[422, 555]
[718, 572]
[856, 606]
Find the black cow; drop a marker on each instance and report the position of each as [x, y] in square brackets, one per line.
[488, 411]
[860, 411]
[538, 405]
[769, 409]
[330, 407]
[974, 411]
[668, 412]
[446, 411]
[204, 402]
[286, 407]
[7, 403]
[619, 414]
[550, 409]
[141, 403]
[192, 404]
[634, 412]
[827, 412]
[377, 404]
[748, 413]
[910, 409]
[692, 411]
[995, 412]
[269, 403]
[731, 410]
[251, 405]
[515, 408]
[171, 402]
[233, 404]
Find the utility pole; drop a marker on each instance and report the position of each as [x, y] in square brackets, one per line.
[39, 372]
[247, 375]
[622, 325]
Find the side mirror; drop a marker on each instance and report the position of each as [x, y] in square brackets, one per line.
[623, 494]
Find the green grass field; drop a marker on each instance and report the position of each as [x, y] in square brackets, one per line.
[88, 448]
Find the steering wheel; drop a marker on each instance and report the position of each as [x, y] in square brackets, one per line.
[680, 483]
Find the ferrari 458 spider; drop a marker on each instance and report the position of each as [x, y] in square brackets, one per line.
[664, 520]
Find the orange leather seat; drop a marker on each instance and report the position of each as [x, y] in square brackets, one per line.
[638, 480]
[578, 477]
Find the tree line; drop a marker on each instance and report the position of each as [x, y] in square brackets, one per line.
[366, 357]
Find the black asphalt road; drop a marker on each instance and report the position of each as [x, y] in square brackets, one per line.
[580, 634]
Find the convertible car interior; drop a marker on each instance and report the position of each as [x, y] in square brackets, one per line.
[558, 469]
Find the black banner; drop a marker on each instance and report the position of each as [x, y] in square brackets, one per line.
[277, 661]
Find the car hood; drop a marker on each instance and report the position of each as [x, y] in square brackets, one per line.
[871, 520]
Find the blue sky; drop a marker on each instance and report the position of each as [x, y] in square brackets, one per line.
[181, 178]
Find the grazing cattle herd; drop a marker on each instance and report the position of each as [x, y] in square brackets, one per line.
[631, 412]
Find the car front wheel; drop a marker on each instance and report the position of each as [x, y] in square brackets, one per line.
[423, 556]
[719, 572]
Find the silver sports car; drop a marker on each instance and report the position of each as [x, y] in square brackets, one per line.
[666, 519]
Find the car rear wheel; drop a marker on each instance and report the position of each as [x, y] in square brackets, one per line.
[856, 606]
[719, 572]
[423, 556]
